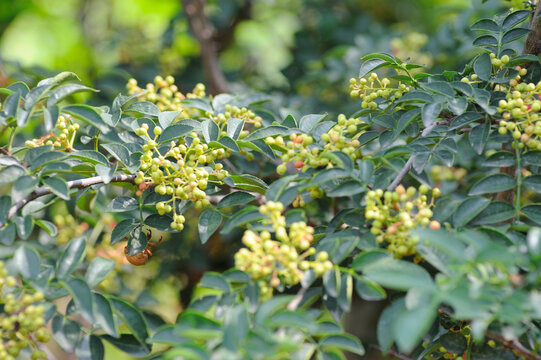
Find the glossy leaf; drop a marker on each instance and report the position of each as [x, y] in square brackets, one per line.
[209, 222]
[27, 262]
[70, 258]
[492, 184]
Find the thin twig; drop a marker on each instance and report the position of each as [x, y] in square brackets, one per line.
[295, 302]
[74, 184]
[515, 345]
[409, 164]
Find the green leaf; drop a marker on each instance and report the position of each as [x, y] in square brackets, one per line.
[469, 209]
[122, 229]
[119, 152]
[27, 262]
[385, 324]
[209, 222]
[166, 118]
[229, 143]
[464, 119]
[440, 87]
[174, 132]
[128, 344]
[500, 159]
[485, 40]
[105, 172]
[485, 25]
[66, 332]
[430, 113]
[366, 258]
[214, 280]
[454, 342]
[103, 312]
[145, 108]
[399, 275]
[533, 212]
[46, 158]
[70, 258]
[48, 226]
[308, 122]
[90, 348]
[122, 204]
[58, 186]
[417, 321]
[369, 290]
[530, 158]
[159, 222]
[514, 34]
[132, 317]
[371, 65]
[515, 18]
[347, 188]
[7, 234]
[343, 342]
[483, 66]
[5, 205]
[88, 115]
[24, 225]
[273, 130]
[33, 96]
[382, 56]
[98, 270]
[82, 297]
[478, 137]
[210, 130]
[61, 92]
[492, 184]
[496, 212]
[90, 156]
[235, 198]
[10, 174]
[522, 59]
[533, 183]
[23, 186]
[137, 241]
[234, 127]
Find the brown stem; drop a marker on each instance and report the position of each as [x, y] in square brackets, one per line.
[515, 346]
[409, 164]
[532, 44]
[74, 184]
[204, 32]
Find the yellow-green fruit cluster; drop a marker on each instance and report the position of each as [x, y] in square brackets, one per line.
[181, 172]
[281, 261]
[395, 213]
[61, 137]
[165, 94]
[234, 112]
[372, 88]
[21, 321]
[497, 65]
[520, 113]
[305, 154]
[440, 173]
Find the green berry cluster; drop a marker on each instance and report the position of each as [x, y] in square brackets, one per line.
[234, 112]
[372, 88]
[520, 113]
[21, 320]
[61, 137]
[183, 171]
[497, 65]
[395, 213]
[280, 262]
[440, 173]
[166, 95]
[305, 154]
